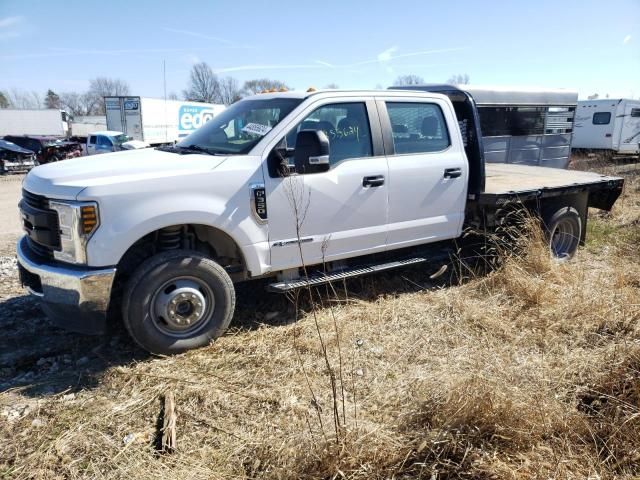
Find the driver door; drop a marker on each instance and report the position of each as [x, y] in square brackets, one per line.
[335, 214]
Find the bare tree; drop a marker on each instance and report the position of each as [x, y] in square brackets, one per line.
[203, 84]
[408, 80]
[51, 100]
[459, 79]
[4, 103]
[101, 87]
[229, 90]
[172, 96]
[21, 99]
[332, 86]
[252, 87]
[73, 103]
[595, 96]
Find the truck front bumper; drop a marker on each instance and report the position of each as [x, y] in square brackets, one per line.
[75, 298]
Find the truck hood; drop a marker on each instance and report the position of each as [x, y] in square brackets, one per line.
[66, 179]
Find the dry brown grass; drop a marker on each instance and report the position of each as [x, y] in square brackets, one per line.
[532, 371]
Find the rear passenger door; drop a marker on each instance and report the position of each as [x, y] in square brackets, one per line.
[428, 171]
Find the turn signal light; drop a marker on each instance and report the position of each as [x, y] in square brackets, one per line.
[88, 219]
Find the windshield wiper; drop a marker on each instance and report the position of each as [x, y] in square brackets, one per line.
[198, 149]
[185, 150]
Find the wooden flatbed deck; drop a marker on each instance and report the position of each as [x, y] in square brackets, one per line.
[511, 182]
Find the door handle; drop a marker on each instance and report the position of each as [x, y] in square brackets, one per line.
[373, 181]
[452, 172]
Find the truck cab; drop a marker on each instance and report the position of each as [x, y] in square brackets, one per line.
[301, 188]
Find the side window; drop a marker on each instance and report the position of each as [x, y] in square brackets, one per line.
[417, 127]
[92, 139]
[511, 121]
[104, 141]
[601, 118]
[635, 112]
[346, 126]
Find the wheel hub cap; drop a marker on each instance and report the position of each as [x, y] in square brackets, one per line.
[562, 238]
[180, 305]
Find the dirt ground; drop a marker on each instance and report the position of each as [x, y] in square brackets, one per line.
[530, 372]
[10, 188]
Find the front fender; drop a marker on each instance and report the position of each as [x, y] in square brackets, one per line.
[127, 217]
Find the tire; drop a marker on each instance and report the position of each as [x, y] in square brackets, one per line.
[564, 232]
[176, 301]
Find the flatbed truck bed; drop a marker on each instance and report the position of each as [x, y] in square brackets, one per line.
[507, 183]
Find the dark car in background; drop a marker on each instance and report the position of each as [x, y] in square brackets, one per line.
[14, 158]
[47, 149]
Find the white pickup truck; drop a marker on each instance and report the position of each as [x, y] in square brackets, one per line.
[340, 182]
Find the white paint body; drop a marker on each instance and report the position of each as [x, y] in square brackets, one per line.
[157, 121]
[620, 135]
[44, 122]
[139, 192]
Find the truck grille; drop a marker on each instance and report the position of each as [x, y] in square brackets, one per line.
[40, 224]
[35, 201]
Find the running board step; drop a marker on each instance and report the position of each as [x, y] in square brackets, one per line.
[322, 278]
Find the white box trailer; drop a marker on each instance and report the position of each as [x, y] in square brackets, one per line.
[42, 122]
[82, 127]
[156, 121]
[608, 125]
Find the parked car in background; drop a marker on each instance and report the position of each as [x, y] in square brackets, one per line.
[45, 122]
[47, 149]
[610, 126]
[157, 121]
[14, 158]
[111, 141]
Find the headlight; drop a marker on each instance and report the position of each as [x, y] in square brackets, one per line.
[78, 221]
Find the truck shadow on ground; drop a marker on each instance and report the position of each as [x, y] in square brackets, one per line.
[257, 308]
[38, 359]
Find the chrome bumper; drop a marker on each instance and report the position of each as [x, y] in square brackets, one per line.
[75, 298]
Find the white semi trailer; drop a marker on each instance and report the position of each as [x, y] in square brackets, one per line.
[157, 121]
[82, 127]
[40, 122]
[611, 126]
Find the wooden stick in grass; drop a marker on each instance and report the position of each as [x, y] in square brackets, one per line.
[169, 423]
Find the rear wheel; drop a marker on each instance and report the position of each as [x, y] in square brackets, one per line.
[564, 230]
[176, 301]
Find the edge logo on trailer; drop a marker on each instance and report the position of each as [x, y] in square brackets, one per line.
[192, 117]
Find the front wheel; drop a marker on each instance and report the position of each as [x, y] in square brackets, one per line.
[176, 301]
[564, 231]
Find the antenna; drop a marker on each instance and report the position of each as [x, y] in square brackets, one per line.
[164, 84]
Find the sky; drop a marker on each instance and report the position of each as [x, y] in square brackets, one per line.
[589, 46]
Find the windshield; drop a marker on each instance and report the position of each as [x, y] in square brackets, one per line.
[119, 139]
[241, 126]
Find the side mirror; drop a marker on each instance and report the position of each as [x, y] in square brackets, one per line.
[312, 151]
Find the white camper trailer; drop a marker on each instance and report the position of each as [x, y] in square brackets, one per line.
[156, 121]
[608, 125]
